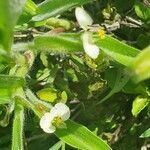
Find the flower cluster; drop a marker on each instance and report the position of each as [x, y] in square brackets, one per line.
[84, 21]
[55, 118]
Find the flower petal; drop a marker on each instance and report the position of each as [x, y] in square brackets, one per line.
[91, 50]
[62, 110]
[45, 123]
[50, 129]
[83, 18]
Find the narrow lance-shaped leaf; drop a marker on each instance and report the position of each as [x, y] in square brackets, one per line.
[142, 11]
[30, 7]
[118, 51]
[80, 137]
[50, 8]
[141, 66]
[61, 43]
[10, 11]
[72, 43]
[28, 12]
[146, 134]
[18, 123]
[57, 146]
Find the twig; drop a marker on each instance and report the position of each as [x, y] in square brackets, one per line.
[133, 21]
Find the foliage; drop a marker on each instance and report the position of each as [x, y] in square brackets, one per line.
[43, 62]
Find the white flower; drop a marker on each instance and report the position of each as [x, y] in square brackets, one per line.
[83, 18]
[90, 49]
[55, 118]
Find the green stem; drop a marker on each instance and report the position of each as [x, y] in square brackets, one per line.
[63, 146]
[40, 106]
[24, 102]
[18, 124]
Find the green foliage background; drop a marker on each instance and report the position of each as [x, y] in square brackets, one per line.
[42, 62]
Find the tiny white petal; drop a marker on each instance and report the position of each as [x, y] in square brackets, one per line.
[62, 110]
[50, 129]
[83, 18]
[90, 49]
[45, 123]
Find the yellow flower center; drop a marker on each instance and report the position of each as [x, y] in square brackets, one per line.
[57, 121]
[101, 33]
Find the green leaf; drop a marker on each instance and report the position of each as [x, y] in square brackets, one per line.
[64, 97]
[146, 134]
[9, 82]
[57, 146]
[30, 7]
[50, 8]
[71, 43]
[139, 104]
[133, 88]
[28, 12]
[5, 96]
[47, 94]
[142, 11]
[118, 51]
[62, 43]
[18, 124]
[118, 79]
[7, 86]
[141, 66]
[10, 11]
[80, 137]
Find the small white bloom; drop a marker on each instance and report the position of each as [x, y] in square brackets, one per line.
[46, 123]
[83, 18]
[55, 118]
[90, 49]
